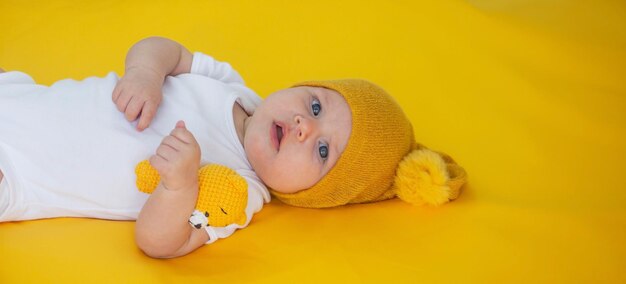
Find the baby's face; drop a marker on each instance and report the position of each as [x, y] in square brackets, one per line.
[296, 136]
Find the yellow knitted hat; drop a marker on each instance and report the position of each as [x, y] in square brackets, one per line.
[381, 159]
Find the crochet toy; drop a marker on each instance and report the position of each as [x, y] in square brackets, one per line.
[222, 195]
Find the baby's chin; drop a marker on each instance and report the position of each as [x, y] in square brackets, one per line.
[286, 191]
[286, 188]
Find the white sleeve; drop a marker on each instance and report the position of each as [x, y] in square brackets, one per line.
[206, 65]
[257, 196]
[15, 77]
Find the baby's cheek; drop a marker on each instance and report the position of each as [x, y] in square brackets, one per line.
[302, 173]
[255, 154]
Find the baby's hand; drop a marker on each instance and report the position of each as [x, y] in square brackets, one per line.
[177, 159]
[138, 94]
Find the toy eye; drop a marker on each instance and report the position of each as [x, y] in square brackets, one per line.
[223, 210]
[206, 214]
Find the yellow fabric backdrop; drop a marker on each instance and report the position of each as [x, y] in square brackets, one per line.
[528, 95]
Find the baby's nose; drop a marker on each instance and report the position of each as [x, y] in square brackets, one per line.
[304, 127]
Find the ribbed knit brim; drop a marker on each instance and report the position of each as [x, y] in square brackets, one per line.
[381, 136]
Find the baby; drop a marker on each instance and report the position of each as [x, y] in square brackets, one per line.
[68, 151]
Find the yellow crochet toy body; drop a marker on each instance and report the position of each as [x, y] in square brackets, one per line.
[222, 196]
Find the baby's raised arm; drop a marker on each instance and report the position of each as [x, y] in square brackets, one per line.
[138, 93]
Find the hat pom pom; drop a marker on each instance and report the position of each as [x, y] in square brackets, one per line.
[422, 178]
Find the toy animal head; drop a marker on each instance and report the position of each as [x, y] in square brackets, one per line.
[222, 195]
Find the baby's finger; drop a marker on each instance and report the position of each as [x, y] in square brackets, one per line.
[147, 114]
[116, 92]
[133, 108]
[122, 101]
[183, 135]
[157, 162]
[166, 152]
[173, 142]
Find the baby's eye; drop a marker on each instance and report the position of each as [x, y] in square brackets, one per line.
[316, 107]
[323, 149]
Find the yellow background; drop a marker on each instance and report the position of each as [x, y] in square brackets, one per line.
[529, 96]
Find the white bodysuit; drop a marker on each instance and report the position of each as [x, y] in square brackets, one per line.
[66, 151]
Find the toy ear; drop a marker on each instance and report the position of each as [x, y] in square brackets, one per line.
[147, 177]
[424, 177]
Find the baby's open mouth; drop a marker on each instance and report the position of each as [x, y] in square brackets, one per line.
[279, 134]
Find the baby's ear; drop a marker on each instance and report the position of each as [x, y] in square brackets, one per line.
[425, 177]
